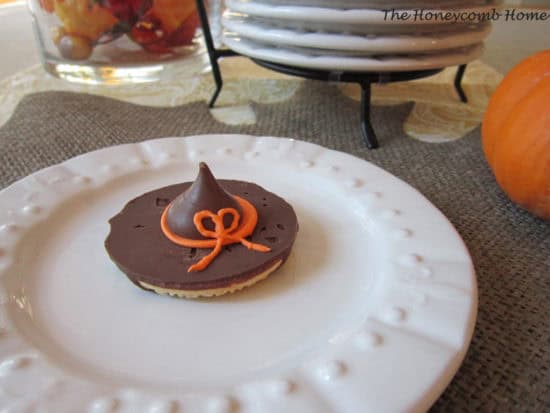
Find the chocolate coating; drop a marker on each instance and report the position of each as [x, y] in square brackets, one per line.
[204, 194]
[140, 249]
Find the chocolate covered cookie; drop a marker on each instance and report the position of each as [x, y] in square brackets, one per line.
[203, 238]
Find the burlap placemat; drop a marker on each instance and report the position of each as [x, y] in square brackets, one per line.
[508, 365]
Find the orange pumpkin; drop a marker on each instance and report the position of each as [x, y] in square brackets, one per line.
[516, 134]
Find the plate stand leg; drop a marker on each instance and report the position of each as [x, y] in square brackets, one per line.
[219, 83]
[458, 83]
[213, 53]
[366, 127]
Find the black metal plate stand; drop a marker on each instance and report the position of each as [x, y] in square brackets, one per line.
[364, 79]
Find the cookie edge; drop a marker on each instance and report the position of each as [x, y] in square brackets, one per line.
[212, 292]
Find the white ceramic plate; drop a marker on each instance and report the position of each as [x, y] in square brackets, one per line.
[334, 16]
[364, 29]
[359, 44]
[373, 311]
[379, 4]
[337, 60]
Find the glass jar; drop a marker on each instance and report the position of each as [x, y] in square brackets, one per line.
[118, 41]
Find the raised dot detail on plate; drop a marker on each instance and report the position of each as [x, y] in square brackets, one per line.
[422, 298]
[355, 183]
[251, 155]
[334, 168]
[193, 154]
[14, 363]
[425, 272]
[225, 151]
[56, 384]
[9, 228]
[390, 213]
[411, 260]
[307, 164]
[163, 407]
[220, 404]
[365, 340]
[105, 405]
[166, 156]
[30, 197]
[128, 393]
[32, 209]
[396, 315]
[82, 180]
[141, 162]
[54, 180]
[373, 194]
[402, 233]
[107, 169]
[332, 370]
[281, 388]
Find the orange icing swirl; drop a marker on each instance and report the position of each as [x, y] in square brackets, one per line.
[240, 228]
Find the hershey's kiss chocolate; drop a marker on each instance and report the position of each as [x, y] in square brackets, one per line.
[204, 194]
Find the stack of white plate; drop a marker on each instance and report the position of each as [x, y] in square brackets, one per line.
[358, 35]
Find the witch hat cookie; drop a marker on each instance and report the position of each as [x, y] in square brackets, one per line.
[203, 238]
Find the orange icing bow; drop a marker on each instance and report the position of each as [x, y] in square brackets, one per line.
[235, 233]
